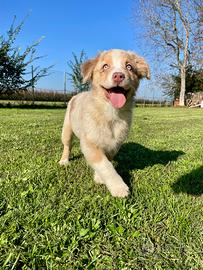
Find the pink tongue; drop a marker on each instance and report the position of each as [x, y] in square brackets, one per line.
[117, 99]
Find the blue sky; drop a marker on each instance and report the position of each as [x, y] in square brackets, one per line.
[70, 26]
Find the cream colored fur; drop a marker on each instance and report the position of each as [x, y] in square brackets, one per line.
[100, 127]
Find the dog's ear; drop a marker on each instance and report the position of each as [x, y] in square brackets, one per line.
[87, 69]
[141, 66]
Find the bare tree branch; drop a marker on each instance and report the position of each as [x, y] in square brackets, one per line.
[168, 27]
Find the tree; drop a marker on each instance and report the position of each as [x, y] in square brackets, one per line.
[75, 74]
[172, 83]
[169, 27]
[15, 63]
[197, 45]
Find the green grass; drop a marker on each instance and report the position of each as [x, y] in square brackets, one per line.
[57, 218]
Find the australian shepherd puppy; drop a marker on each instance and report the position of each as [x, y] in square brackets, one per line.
[101, 117]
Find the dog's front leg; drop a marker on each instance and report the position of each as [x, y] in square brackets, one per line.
[104, 168]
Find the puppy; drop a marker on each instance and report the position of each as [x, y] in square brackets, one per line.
[101, 117]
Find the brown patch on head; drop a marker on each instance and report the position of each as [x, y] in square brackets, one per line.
[87, 69]
[100, 74]
[105, 58]
[141, 66]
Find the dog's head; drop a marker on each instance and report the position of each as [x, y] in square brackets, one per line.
[115, 75]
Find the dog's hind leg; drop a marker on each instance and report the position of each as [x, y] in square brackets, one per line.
[66, 137]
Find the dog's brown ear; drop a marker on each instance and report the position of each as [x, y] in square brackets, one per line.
[141, 67]
[87, 69]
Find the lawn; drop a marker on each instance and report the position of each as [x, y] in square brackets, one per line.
[57, 218]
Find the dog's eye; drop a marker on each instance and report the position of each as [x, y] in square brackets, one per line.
[105, 66]
[129, 67]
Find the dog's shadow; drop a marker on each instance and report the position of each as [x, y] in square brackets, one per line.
[134, 156]
[191, 183]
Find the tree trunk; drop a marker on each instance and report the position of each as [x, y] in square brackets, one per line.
[182, 86]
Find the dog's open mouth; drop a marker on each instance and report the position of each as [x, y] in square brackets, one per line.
[117, 96]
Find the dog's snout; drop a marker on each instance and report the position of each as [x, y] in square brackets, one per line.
[118, 77]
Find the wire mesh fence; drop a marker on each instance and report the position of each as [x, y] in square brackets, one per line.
[59, 97]
[56, 88]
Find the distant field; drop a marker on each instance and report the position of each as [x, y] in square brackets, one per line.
[57, 218]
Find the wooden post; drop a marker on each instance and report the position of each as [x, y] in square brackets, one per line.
[65, 88]
[33, 87]
[153, 98]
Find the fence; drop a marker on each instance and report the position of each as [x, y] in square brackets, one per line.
[56, 88]
[150, 102]
[37, 95]
[60, 97]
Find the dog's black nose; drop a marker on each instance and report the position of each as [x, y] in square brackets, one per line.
[118, 77]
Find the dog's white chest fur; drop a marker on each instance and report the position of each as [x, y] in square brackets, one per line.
[105, 126]
[110, 136]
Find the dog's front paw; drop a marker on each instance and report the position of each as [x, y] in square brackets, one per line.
[64, 162]
[119, 190]
[98, 179]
